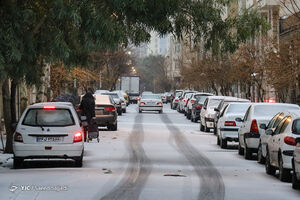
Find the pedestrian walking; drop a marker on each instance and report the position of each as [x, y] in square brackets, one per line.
[87, 106]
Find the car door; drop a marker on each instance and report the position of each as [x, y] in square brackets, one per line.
[279, 138]
[272, 140]
[243, 127]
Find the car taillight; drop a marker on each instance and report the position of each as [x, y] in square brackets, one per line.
[142, 103]
[18, 137]
[110, 108]
[49, 107]
[176, 100]
[229, 123]
[159, 104]
[192, 101]
[290, 141]
[198, 107]
[77, 137]
[138, 98]
[254, 127]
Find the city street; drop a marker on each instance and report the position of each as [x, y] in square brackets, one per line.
[151, 156]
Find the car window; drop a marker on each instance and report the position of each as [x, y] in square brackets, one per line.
[48, 117]
[213, 103]
[151, 97]
[278, 128]
[296, 127]
[247, 114]
[205, 103]
[237, 108]
[277, 120]
[178, 94]
[285, 124]
[220, 105]
[113, 95]
[201, 99]
[224, 111]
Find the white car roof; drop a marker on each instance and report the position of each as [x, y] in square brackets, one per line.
[235, 99]
[197, 93]
[216, 97]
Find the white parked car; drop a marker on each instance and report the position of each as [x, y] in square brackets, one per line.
[192, 100]
[281, 145]
[48, 130]
[273, 123]
[221, 106]
[249, 132]
[227, 126]
[151, 102]
[296, 158]
[207, 114]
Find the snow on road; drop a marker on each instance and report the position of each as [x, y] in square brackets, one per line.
[151, 156]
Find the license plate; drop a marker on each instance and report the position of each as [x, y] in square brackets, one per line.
[99, 112]
[49, 139]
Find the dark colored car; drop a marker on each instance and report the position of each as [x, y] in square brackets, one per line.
[106, 112]
[196, 108]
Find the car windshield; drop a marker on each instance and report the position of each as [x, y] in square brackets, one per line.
[201, 99]
[113, 95]
[151, 97]
[271, 110]
[237, 108]
[42, 117]
[178, 94]
[213, 103]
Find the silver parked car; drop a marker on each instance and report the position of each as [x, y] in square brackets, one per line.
[151, 102]
[281, 145]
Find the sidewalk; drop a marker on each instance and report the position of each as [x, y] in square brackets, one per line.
[5, 159]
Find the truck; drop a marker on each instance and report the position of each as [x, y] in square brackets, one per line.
[131, 85]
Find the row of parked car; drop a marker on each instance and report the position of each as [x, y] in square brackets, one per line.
[269, 130]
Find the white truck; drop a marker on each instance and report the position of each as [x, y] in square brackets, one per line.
[131, 85]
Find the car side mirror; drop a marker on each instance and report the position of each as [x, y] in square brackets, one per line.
[204, 107]
[239, 119]
[83, 118]
[269, 132]
[263, 126]
[297, 140]
[216, 109]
